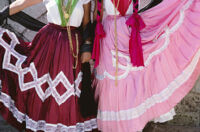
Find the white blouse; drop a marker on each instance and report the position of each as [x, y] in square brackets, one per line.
[109, 7]
[53, 15]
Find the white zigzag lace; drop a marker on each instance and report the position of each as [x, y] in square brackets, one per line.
[37, 82]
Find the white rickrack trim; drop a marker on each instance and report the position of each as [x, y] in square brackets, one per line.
[71, 89]
[154, 99]
[128, 67]
[41, 124]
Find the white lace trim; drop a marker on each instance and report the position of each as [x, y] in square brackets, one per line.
[128, 67]
[71, 89]
[165, 117]
[156, 98]
[41, 124]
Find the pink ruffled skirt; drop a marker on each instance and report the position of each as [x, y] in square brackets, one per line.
[171, 47]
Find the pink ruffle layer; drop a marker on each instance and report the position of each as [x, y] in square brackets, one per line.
[172, 65]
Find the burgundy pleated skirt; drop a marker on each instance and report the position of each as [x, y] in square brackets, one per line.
[40, 88]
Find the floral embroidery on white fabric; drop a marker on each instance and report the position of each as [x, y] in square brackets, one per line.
[128, 67]
[71, 89]
[156, 98]
[41, 124]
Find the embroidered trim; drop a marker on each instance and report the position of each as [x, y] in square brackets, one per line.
[71, 89]
[128, 67]
[41, 124]
[156, 98]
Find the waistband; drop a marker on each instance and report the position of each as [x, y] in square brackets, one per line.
[60, 27]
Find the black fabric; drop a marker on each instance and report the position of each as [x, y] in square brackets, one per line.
[150, 5]
[88, 106]
[93, 26]
[27, 21]
[87, 31]
[86, 48]
[4, 13]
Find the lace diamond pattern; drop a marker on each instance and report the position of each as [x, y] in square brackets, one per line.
[71, 89]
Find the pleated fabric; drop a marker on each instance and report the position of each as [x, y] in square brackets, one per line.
[171, 46]
[40, 89]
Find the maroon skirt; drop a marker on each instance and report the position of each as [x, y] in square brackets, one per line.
[40, 88]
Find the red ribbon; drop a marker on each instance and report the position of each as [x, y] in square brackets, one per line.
[99, 34]
[135, 44]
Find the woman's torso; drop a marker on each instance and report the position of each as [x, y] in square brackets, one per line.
[53, 14]
[110, 10]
